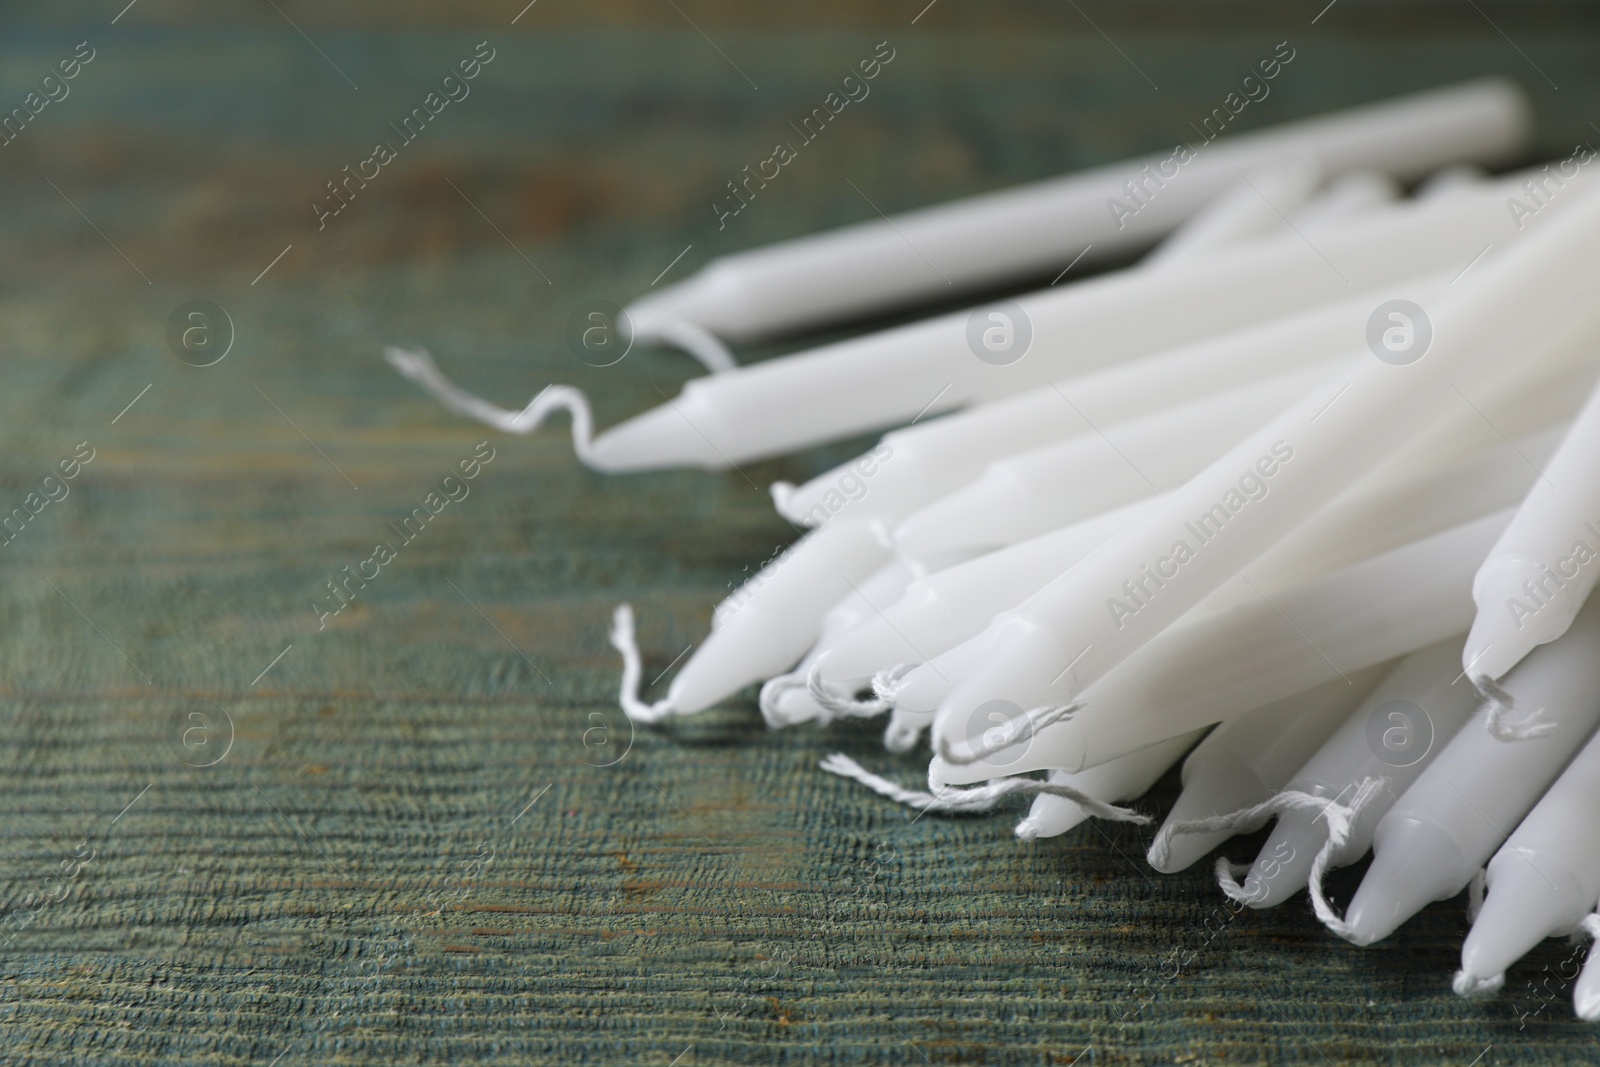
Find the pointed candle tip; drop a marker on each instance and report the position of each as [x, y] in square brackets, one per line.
[1470, 985]
[1586, 1003]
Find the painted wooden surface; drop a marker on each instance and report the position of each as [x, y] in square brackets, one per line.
[433, 838]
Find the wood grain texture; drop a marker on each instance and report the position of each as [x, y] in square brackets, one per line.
[360, 879]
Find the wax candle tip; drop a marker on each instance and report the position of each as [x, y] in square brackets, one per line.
[901, 736]
[1284, 864]
[1586, 1002]
[1414, 864]
[1467, 984]
[782, 494]
[665, 436]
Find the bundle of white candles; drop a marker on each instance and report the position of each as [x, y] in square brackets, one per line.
[1316, 481]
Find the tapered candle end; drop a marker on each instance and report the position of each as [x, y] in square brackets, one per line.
[1052, 816]
[922, 691]
[747, 648]
[785, 700]
[1479, 656]
[709, 298]
[879, 482]
[1013, 675]
[1414, 865]
[1586, 995]
[1519, 609]
[672, 435]
[1518, 914]
[905, 729]
[1218, 784]
[1283, 867]
[1470, 984]
[864, 651]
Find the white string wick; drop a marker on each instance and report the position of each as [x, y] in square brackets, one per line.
[773, 690]
[692, 338]
[838, 703]
[1341, 818]
[1341, 823]
[978, 799]
[886, 683]
[420, 368]
[900, 735]
[1501, 704]
[1465, 985]
[1031, 722]
[1244, 821]
[623, 640]
[1228, 874]
[1591, 926]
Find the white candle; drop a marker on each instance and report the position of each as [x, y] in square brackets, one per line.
[1037, 228]
[1586, 991]
[1031, 492]
[1091, 618]
[1179, 434]
[784, 700]
[1122, 779]
[1543, 881]
[1346, 196]
[1395, 506]
[1247, 759]
[1247, 655]
[1543, 568]
[1255, 206]
[1391, 508]
[1450, 179]
[1393, 735]
[943, 609]
[891, 377]
[1174, 436]
[1463, 471]
[1458, 812]
[1450, 480]
[915, 465]
[867, 601]
[768, 624]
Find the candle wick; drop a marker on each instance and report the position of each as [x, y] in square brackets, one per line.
[624, 641]
[418, 365]
[831, 699]
[1501, 704]
[692, 338]
[977, 800]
